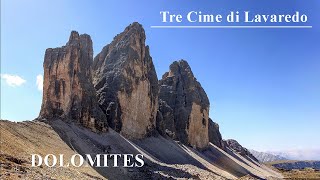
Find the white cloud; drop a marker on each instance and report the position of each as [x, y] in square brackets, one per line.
[40, 82]
[300, 154]
[13, 80]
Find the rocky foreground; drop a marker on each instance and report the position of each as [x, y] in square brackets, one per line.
[165, 158]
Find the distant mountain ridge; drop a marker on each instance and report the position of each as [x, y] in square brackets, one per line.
[265, 156]
[299, 154]
[296, 155]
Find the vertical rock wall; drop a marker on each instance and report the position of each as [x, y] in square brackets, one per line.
[68, 92]
[214, 134]
[127, 84]
[185, 104]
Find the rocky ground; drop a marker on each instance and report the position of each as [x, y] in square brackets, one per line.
[19, 140]
[165, 158]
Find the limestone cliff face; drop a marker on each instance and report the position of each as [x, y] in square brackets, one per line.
[214, 134]
[184, 106]
[68, 92]
[127, 84]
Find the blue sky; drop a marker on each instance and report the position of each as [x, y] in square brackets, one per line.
[263, 84]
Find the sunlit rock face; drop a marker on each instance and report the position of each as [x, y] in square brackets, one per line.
[126, 83]
[184, 106]
[68, 92]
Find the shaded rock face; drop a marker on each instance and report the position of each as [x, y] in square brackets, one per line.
[214, 134]
[126, 83]
[184, 106]
[236, 147]
[68, 92]
[165, 120]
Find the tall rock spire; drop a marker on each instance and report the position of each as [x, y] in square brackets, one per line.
[184, 106]
[68, 92]
[127, 84]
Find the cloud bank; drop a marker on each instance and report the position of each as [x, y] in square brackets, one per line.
[300, 154]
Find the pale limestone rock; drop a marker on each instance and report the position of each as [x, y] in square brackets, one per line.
[68, 92]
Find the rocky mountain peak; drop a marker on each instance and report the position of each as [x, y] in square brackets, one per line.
[185, 105]
[135, 27]
[127, 84]
[74, 37]
[180, 67]
[133, 36]
[68, 92]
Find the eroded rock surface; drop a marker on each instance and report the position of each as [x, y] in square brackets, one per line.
[127, 84]
[236, 147]
[68, 92]
[184, 106]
